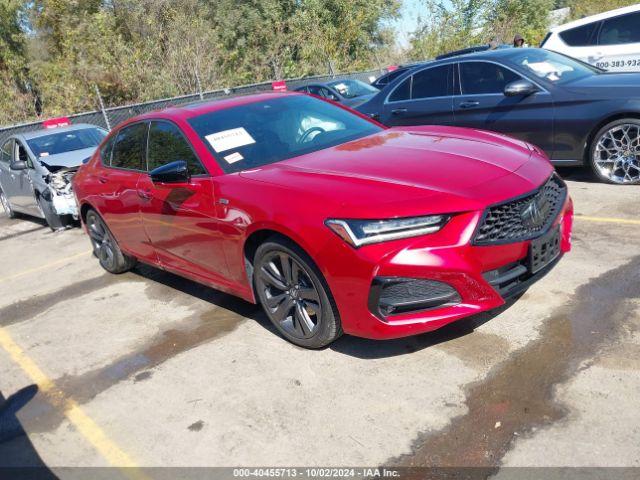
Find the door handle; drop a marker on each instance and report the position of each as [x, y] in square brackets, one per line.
[103, 179]
[145, 194]
[398, 111]
[469, 104]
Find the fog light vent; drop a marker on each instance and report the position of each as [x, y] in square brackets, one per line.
[396, 295]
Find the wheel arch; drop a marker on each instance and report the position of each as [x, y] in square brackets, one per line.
[257, 237]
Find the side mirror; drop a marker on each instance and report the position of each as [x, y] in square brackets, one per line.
[174, 172]
[520, 88]
[19, 165]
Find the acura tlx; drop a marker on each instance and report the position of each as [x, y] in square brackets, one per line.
[331, 221]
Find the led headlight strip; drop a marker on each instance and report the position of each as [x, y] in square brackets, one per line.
[364, 232]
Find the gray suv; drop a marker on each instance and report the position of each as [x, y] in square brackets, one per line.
[36, 169]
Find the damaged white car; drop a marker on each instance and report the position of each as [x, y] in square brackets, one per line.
[36, 169]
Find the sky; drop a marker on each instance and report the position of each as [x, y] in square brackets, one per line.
[408, 20]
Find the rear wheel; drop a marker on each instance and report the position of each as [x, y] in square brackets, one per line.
[294, 295]
[6, 206]
[615, 152]
[105, 248]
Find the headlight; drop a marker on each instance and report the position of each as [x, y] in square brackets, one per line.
[363, 232]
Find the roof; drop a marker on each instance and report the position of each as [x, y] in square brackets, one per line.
[51, 131]
[595, 18]
[195, 109]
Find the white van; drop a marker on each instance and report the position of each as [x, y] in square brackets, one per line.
[609, 40]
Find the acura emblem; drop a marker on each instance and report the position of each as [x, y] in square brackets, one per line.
[535, 213]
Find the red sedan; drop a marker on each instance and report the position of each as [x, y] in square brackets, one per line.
[333, 222]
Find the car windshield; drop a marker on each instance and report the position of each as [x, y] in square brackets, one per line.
[552, 66]
[273, 130]
[66, 141]
[352, 88]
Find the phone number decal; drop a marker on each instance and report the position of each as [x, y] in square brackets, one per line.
[635, 62]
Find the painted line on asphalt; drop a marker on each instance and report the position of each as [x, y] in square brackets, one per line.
[46, 266]
[87, 427]
[622, 221]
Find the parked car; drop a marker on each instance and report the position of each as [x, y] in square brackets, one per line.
[333, 222]
[575, 112]
[609, 40]
[36, 169]
[348, 92]
[384, 80]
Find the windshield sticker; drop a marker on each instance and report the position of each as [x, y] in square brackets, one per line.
[234, 157]
[44, 154]
[228, 139]
[341, 87]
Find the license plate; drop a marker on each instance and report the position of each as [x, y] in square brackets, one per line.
[544, 250]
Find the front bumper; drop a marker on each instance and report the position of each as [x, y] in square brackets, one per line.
[446, 256]
[64, 204]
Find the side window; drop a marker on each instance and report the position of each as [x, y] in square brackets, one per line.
[620, 30]
[313, 89]
[5, 152]
[22, 154]
[167, 144]
[105, 151]
[432, 82]
[583, 36]
[478, 78]
[128, 150]
[402, 91]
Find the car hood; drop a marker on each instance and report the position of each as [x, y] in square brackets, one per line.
[609, 84]
[400, 168]
[67, 159]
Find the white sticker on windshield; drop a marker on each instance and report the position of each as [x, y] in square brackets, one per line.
[44, 154]
[228, 139]
[341, 87]
[234, 157]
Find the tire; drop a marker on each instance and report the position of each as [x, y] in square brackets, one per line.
[295, 295]
[52, 218]
[105, 247]
[614, 153]
[6, 206]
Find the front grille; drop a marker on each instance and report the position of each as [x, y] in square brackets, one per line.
[396, 295]
[522, 218]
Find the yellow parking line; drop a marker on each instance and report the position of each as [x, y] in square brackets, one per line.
[623, 221]
[44, 267]
[84, 424]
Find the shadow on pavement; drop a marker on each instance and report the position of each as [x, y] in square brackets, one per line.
[18, 457]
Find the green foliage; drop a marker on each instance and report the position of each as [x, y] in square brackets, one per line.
[584, 8]
[138, 50]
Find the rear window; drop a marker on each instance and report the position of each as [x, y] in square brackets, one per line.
[583, 36]
[260, 133]
[67, 141]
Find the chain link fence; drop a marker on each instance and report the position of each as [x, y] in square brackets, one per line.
[116, 115]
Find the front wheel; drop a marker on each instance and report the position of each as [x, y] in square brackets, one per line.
[294, 295]
[52, 218]
[615, 152]
[6, 206]
[105, 248]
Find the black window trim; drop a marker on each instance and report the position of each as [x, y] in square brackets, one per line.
[414, 72]
[520, 74]
[170, 122]
[115, 139]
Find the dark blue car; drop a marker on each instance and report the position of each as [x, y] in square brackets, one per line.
[578, 114]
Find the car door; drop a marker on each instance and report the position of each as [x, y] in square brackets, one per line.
[23, 192]
[480, 102]
[180, 218]
[619, 43]
[424, 98]
[8, 176]
[124, 163]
